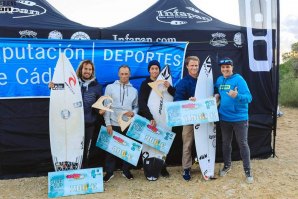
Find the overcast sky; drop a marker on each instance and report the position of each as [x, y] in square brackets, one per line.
[105, 13]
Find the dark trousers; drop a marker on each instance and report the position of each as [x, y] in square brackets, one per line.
[110, 163]
[89, 129]
[241, 130]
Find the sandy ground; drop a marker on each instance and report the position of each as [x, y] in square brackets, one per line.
[274, 177]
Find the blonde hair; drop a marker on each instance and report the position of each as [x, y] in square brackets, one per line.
[194, 58]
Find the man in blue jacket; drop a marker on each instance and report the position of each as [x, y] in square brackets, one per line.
[185, 90]
[234, 95]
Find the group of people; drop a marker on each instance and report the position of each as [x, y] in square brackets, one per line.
[230, 89]
[232, 92]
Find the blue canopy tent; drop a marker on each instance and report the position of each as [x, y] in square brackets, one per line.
[24, 123]
[38, 19]
[181, 20]
[24, 130]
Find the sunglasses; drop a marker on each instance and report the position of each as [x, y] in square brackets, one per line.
[225, 61]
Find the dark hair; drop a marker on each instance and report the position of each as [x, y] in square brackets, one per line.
[79, 70]
[153, 62]
[225, 61]
[194, 58]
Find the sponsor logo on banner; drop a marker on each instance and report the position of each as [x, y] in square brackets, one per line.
[218, 39]
[238, 40]
[174, 16]
[27, 34]
[21, 8]
[80, 36]
[55, 34]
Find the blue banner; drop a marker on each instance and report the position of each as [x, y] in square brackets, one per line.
[74, 182]
[27, 65]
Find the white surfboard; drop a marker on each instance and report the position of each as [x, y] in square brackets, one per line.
[205, 134]
[156, 105]
[66, 118]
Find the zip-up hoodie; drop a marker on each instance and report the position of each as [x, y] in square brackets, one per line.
[91, 91]
[233, 109]
[125, 98]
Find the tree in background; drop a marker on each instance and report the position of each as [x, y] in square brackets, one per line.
[291, 59]
[289, 78]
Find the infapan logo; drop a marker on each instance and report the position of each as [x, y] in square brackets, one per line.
[21, 8]
[174, 16]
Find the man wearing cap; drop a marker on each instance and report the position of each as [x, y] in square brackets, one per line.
[234, 95]
[185, 90]
[145, 90]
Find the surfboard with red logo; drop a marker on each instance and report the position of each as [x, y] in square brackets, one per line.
[66, 117]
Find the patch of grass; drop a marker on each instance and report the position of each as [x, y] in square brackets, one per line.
[289, 91]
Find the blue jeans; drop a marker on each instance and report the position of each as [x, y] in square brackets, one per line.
[241, 129]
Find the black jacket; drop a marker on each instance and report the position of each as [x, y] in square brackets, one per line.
[144, 93]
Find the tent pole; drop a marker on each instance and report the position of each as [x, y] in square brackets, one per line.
[276, 72]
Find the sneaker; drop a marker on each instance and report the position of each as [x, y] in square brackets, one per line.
[108, 177]
[151, 178]
[186, 174]
[127, 175]
[164, 172]
[279, 114]
[224, 170]
[249, 177]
